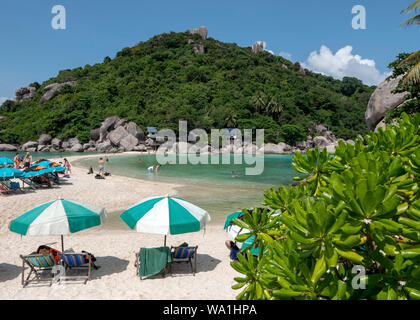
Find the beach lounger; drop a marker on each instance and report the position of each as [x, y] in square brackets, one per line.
[77, 261]
[9, 187]
[41, 267]
[30, 183]
[153, 261]
[185, 254]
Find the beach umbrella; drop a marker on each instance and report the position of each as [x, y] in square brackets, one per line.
[35, 171]
[10, 173]
[59, 217]
[50, 165]
[4, 161]
[231, 217]
[165, 215]
[233, 231]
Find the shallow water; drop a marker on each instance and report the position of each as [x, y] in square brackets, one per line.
[208, 186]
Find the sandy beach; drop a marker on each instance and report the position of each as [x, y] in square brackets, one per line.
[114, 246]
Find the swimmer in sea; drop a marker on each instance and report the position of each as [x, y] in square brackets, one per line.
[235, 176]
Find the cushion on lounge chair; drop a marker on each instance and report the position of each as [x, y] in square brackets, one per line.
[40, 261]
[153, 261]
[183, 253]
[73, 260]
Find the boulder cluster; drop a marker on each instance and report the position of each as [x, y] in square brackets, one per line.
[118, 135]
[114, 135]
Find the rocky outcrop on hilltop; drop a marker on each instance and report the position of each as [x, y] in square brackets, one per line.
[202, 31]
[258, 47]
[382, 101]
[24, 94]
[53, 88]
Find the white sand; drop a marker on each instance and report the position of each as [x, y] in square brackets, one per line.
[113, 247]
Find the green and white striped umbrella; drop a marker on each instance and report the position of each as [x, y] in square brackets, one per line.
[165, 215]
[59, 217]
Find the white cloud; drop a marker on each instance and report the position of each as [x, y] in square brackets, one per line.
[344, 64]
[285, 55]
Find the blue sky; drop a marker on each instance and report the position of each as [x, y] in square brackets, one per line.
[311, 32]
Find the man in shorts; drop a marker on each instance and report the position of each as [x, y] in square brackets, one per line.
[101, 167]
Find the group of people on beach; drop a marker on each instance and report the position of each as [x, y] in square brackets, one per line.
[27, 161]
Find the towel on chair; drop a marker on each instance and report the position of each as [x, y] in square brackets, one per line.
[153, 260]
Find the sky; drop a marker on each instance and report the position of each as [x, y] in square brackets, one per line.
[318, 34]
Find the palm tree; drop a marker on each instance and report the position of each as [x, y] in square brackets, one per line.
[231, 120]
[275, 108]
[260, 101]
[413, 75]
[412, 7]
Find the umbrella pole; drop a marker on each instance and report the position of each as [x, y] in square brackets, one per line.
[164, 242]
[62, 243]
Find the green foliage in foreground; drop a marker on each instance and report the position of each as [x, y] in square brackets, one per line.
[162, 80]
[358, 209]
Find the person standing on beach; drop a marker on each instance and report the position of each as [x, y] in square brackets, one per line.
[67, 166]
[27, 161]
[157, 168]
[16, 161]
[101, 167]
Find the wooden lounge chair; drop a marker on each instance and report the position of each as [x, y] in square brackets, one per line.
[40, 265]
[185, 254]
[77, 261]
[153, 261]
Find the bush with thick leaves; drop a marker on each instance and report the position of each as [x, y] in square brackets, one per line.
[359, 210]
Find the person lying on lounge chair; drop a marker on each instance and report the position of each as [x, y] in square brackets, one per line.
[43, 180]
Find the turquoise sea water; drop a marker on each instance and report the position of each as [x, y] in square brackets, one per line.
[208, 186]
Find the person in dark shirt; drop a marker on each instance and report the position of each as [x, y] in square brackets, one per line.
[234, 250]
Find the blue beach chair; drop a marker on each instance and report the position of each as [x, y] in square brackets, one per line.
[77, 261]
[185, 254]
[41, 267]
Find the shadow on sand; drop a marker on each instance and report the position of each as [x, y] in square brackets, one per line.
[9, 272]
[205, 263]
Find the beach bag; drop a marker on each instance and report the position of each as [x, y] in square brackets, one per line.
[107, 174]
[98, 176]
[90, 170]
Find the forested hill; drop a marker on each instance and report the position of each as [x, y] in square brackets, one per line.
[172, 77]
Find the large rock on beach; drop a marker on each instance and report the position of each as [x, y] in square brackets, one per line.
[383, 101]
[73, 142]
[271, 148]
[77, 148]
[30, 145]
[115, 136]
[65, 145]
[95, 134]
[7, 147]
[104, 146]
[44, 139]
[107, 125]
[129, 142]
[56, 143]
[135, 130]
[321, 141]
